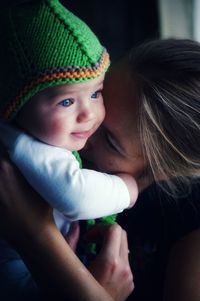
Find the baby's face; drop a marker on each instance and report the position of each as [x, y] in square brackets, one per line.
[65, 116]
[116, 146]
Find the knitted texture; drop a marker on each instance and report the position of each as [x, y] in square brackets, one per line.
[43, 45]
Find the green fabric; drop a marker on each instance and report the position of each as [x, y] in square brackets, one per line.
[38, 39]
[78, 158]
[109, 220]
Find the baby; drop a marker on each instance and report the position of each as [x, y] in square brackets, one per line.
[53, 68]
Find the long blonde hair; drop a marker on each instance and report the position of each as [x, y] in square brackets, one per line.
[167, 73]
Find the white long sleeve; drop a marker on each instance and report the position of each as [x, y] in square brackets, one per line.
[55, 174]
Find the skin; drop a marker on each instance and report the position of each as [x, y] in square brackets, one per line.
[116, 147]
[66, 115]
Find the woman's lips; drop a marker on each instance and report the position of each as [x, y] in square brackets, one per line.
[82, 135]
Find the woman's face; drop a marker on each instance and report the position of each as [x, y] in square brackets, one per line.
[116, 147]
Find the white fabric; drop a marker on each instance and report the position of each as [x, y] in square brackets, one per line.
[61, 221]
[55, 174]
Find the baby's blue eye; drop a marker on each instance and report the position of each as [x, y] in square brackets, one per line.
[96, 94]
[66, 102]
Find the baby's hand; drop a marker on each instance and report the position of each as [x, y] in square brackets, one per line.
[132, 187]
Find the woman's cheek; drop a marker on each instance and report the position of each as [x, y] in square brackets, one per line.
[107, 164]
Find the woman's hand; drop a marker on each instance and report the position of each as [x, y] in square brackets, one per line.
[73, 235]
[111, 266]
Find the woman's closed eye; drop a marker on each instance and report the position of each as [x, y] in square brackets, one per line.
[113, 143]
[66, 102]
[110, 141]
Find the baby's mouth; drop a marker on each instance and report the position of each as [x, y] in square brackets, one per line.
[82, 134]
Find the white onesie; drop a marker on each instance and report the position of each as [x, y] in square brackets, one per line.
[55, 174]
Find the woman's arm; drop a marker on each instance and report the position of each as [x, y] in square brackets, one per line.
[27, 222]
[183, 272]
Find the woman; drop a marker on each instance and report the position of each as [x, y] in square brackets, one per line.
[151, 131]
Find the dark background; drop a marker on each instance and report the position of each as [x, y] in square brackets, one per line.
[119, 24]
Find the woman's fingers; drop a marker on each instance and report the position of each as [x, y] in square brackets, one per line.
[111, 266]
[124, 250]
[73, 235]
[112, 241]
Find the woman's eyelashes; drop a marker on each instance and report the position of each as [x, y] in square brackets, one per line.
[113, 143]
[110, 141]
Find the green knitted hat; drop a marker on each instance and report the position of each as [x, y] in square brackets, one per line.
[44, 45]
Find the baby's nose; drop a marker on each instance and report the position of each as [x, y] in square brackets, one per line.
[85, 115]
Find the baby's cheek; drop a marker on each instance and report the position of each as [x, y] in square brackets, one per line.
[56, 128]
[55, 132]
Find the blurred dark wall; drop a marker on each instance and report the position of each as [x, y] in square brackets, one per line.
[119, 24]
